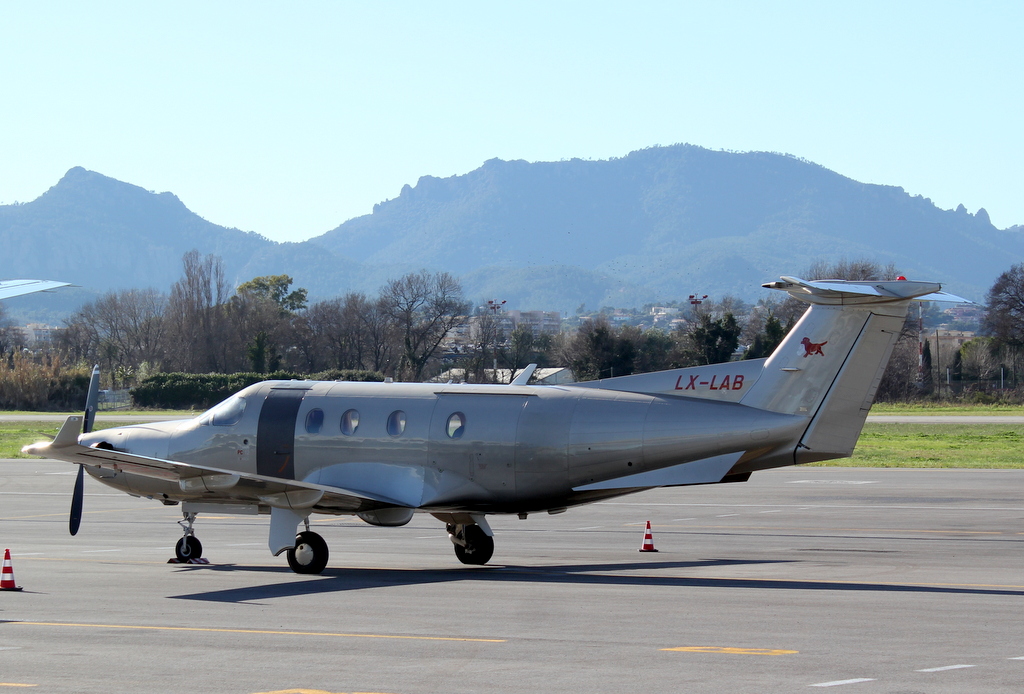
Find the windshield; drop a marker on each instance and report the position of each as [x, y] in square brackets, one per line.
[225, 414]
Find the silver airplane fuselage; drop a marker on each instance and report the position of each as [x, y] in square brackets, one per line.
[473, 448]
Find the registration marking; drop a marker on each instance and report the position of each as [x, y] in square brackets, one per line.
[836, 683]
[730, 650]
[947, 667]
[254, 631]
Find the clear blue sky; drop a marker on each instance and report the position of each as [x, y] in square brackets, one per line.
[289, 118]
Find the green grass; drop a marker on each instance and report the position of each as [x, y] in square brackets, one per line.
[937, 446]
[14, 435]
[116, 413]
[938, 408]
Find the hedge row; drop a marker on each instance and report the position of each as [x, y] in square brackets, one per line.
[182, 391]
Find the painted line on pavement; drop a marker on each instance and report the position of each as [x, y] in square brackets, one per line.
[731, 650]
[946, 667]
[836, 683]
[271, 632]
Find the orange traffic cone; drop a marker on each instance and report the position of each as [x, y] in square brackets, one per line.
[648, 545]
[7, 581]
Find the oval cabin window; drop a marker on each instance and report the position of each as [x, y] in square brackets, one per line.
[314, 421]
[349, 422]
[456, 425]
[396, 423]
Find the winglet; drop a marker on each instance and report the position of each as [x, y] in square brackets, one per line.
[524, 378]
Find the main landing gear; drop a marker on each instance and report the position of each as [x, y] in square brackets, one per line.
[189, 546]
[472, 544]
[309, 555]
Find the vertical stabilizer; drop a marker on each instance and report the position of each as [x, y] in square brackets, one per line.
[830, 365]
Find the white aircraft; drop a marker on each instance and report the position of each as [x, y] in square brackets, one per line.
[384, 451]
[12, 288]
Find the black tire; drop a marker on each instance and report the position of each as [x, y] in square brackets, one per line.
[479, 546]
[188, 547]
[309, 555]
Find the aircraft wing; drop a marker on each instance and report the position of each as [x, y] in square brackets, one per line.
[11, 288]
[208, 483]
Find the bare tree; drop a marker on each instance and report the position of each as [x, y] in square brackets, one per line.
[123, 329]
[197, 325]
[426, 308]
[1005, 315]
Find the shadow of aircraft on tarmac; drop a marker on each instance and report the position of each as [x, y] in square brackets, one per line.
[341, 579]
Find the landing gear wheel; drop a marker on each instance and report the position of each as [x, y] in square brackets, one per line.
[309, 555]
[188, 547]
[479, 546]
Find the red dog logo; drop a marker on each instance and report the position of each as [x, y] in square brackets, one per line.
[812, 348]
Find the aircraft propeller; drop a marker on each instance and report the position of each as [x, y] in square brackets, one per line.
[78, 496]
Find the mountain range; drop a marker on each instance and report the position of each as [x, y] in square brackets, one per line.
[653, 226]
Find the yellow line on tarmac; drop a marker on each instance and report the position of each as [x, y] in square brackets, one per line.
[16, 684]
[731, 650]
[255, 631]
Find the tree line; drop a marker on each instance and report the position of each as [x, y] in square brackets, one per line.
[265, 325]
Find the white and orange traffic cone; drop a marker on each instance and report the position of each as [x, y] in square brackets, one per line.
[648, 545]
[7, 581]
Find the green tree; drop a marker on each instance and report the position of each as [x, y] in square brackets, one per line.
[712, 340]
[275, 288]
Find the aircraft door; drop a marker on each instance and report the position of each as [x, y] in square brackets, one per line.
[275, 433]
[475, 436]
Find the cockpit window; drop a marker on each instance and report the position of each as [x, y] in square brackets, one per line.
[225, 414]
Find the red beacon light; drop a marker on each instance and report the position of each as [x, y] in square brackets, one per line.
[901, 278]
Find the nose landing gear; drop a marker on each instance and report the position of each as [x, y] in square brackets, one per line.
[188, 547]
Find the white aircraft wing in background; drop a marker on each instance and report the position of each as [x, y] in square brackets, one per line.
[11, 288]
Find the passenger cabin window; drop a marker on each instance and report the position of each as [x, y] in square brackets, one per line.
[396, 423]
[314, 421]
[225, 414]
[456, 425]
[349, 422]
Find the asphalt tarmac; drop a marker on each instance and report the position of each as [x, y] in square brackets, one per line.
[858, 580]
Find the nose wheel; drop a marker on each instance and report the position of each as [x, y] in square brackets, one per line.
[189, 546]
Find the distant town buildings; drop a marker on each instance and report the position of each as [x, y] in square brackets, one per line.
[35, 334]
[540, 322]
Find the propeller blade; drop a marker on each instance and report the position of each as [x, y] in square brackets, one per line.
[76, 501]
[91, 400]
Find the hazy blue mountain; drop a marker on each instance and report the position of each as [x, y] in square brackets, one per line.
[663, 222]
[653, 226]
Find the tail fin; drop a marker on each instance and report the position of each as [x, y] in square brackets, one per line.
[831, 363]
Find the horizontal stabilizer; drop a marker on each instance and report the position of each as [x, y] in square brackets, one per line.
[845, 292]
